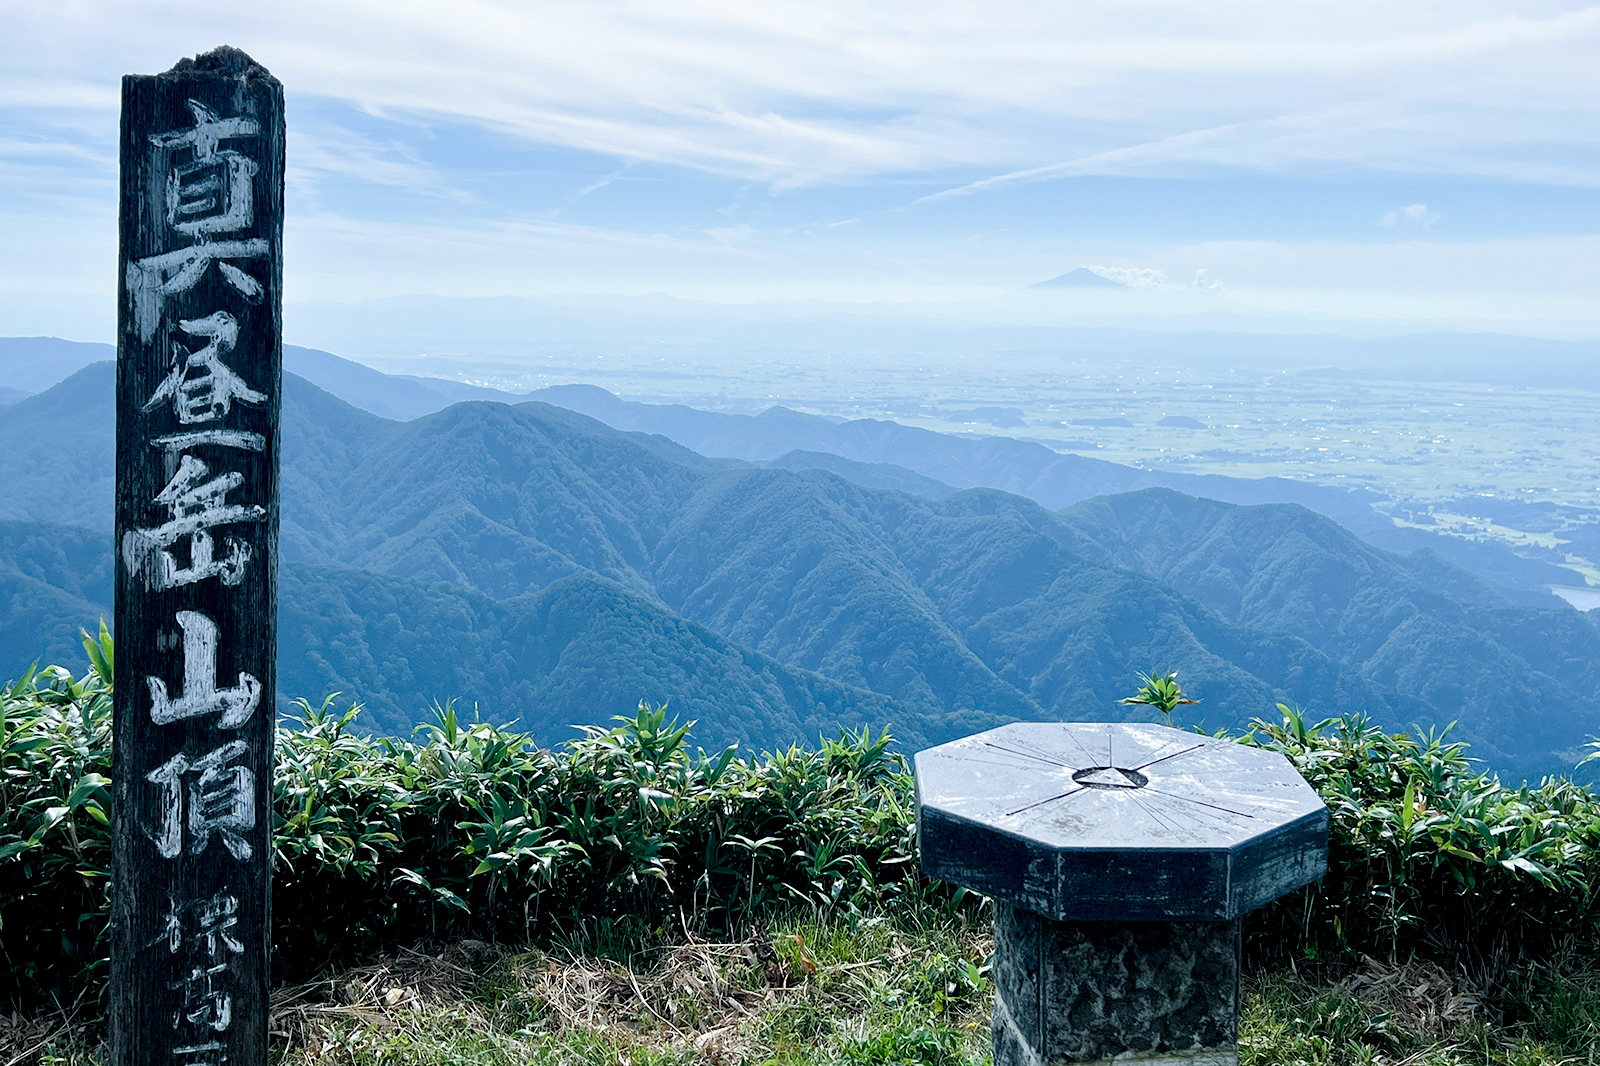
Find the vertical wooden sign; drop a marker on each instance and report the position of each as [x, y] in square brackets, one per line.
[199, 375]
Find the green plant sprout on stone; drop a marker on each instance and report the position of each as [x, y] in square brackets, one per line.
[1160, 691]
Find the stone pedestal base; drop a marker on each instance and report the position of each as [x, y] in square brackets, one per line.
[1129, 992]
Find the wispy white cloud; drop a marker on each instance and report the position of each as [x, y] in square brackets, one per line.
[801, 91]
[841, 110]
[594, 186]
[1132, 277]
[58, 151]
[1410, 215]
[318, 150]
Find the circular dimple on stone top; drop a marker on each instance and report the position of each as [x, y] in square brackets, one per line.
[1109, 778]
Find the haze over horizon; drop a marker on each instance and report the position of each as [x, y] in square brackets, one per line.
[1360, 170]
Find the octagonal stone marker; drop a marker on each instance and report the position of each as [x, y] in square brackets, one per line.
[1120, 857]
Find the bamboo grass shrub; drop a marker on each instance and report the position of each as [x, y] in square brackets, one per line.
[466, 829]
[473, 830]
[55, 835]
[1431, 856]
[627, 834]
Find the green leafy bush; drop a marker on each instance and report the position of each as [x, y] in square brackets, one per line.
[1430, 856]
[55, 837]
[469, 829]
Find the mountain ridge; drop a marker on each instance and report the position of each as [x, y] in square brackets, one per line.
[976, 606]
[781, 436]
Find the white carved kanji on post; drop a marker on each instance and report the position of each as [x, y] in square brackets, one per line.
[210, 193]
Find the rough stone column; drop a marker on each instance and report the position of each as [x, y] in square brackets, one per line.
[1120, 858]
[1092, 992]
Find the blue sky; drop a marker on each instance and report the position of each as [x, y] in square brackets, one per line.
[1421, 165]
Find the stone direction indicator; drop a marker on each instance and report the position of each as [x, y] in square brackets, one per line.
[1120, 858]
[199, 375]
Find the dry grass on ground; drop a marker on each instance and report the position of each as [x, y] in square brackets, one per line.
[808, 994]
[797, 994]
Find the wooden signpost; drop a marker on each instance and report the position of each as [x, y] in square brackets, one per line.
[199, 374]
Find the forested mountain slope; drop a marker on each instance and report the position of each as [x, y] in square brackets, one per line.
[57, 452]
[1412, 623]
[577, 651]
[54, 581]
[577, 555]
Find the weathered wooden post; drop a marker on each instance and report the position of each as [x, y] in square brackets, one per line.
[199, 370]
[1120, 858]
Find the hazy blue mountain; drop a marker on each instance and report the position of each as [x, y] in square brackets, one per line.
[577, 652]
[1081, 278]
[1024, 467]
[392, 396]
[40, 623]
[75, 560]
[57, 452]
[1003, 417]
[508, 500]
[979, 600]
[1027, 468]
[484, 518]
[54, 581]
[33, 364]
[1523, 581]
[1031, 469]
[872, 475]
[796, 565]
[805, 567]
[1414, 624]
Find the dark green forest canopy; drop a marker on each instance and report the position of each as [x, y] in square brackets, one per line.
[548, 568]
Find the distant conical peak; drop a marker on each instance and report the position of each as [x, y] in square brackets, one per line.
[1081, 278]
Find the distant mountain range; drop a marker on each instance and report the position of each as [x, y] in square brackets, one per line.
[1030, 469]
[876, 453]
[551, 568]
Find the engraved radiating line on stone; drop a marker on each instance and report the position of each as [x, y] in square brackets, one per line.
[1164, 758]
[1181, 775]
[1029, 755]
[1164, 745]
[1072, 735]
[992, 762]
[1048, 799]
[1155, 813]
[1202, 803]
[1060, 757]
[1191, 817]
